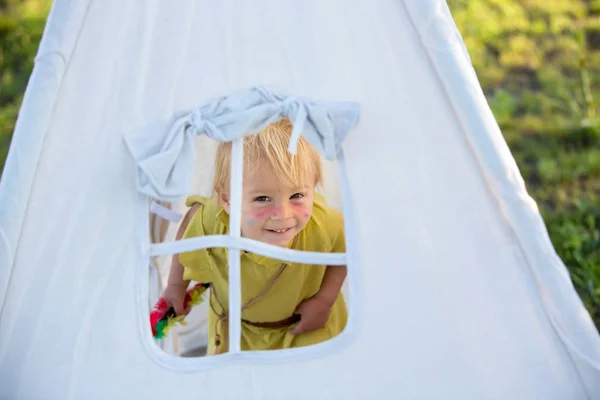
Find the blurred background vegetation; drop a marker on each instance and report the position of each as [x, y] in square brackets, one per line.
[539, 64]
[21, 27]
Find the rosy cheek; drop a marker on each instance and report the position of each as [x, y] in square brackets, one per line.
[266, 212]
[249, 217]
[256, 217]
[300, 209]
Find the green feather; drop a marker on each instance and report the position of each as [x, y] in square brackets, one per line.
[160, 329]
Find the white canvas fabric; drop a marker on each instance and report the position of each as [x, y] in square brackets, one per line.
[455, 289]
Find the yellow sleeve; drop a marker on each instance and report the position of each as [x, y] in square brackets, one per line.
[338, 237]
[198, 264]
[329, 223]
[191, 200]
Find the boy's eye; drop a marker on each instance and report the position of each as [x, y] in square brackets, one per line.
[261, 198]
[298, 196]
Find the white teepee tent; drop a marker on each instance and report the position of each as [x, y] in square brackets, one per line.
[455, 291]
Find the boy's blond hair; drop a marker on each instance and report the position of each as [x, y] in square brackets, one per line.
[270, 146]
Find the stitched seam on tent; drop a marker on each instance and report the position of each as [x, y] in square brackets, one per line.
[4, 239]
[40, 57]
[47, 128]
[565, 343]
[184, 58]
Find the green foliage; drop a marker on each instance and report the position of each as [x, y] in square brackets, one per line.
[539, 53]
[576, 237]
[539, 63]
[504, 105]
[21, 27]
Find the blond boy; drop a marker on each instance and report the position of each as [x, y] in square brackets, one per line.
[284, 305]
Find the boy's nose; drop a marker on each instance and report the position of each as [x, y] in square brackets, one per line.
[282, 211]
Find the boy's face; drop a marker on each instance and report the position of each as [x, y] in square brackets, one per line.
[272, 212]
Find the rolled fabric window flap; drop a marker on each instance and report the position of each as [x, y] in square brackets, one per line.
[164, 151]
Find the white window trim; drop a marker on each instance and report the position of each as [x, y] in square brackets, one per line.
[195, 364]
[234, 255]
[251, 245]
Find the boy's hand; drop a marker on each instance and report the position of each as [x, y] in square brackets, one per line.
[174, 295]
[314, 313]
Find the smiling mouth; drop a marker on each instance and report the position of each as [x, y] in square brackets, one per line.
[278, 230]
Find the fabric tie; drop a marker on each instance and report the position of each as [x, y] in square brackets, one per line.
[165, 153]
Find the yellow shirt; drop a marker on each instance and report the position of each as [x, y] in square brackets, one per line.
[323, 233]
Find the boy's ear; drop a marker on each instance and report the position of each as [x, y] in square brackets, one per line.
[224, 200]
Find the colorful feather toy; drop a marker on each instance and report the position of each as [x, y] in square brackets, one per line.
[163, 318]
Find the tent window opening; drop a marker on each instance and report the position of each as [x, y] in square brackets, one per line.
[274, 293]
[253, 255]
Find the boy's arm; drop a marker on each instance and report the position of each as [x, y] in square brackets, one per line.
[332, 283]
[334, 274]
[314, 312]
[176, 288]
[176, 273]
